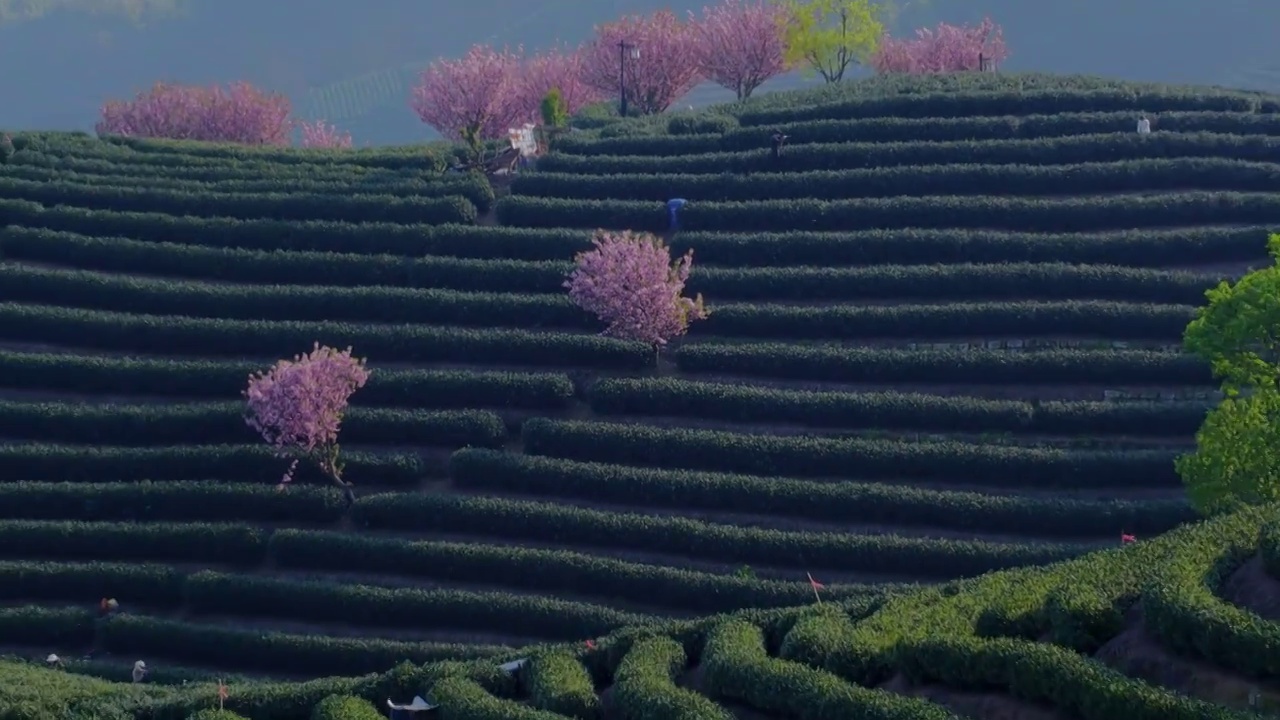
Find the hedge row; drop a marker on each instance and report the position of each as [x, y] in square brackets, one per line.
[558, 683]
[47, 627]
[933, 129]
[474, 188]
[282, 205]
[1182, 608]
[235, 463]
[274, 652]
[1012, 281]
[268, 233]
[180, 152]
[1010, 102]
[324, 602]
[1164, 175]
[166, 334]
[202, 169]
[1028, 214]
[150, 425]
[670, 397]
[463, 699]
[518, 520]
[534, 570]
[149, 585]
[143, 542]
[644, 687]
[1157, 247]
[843, 502]
[800, 456]
[338, 707]
[862, 365]
[738, 667]
[193, 501]
[109, 292]
[441, 389]
[849, 156]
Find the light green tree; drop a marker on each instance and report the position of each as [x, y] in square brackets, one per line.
[1238, 333]
[828, 36]
[1237, 457]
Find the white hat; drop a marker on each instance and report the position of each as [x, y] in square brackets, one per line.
[139, 665]
[52, 658]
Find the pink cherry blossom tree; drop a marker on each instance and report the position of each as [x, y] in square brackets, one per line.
[297, 407]
[239, 113]
[474, 98]
[949, 48]
[741, 43]
[320, 134]
[559, 69]
[629, 281]
[666, 67]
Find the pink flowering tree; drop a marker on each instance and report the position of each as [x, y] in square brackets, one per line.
[320, 134]
[665, 70]
[629, 281]
[475, 98]
[949, 48]
[297, 407]
[239, 113]
[741, 43]
[557, 69]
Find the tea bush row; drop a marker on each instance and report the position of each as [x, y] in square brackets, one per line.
[738, 667]
[368, 247]
[281, 205]
[141, 542]
[221, 379]
[669, 397]
[165, 334]
[474, 188]
[1049, 101]
[408, 608]
[1108, 368]
[202, 169]
[176, 501]
[255, 463]
[108, 292]
[558, 683]
[536, 570]
[854, 155]
[179, 152]
[1173, 174]
[522, 520]
[644, 686]
[461, 698]
[843, 502]
[1011, 281]
[803, 456]
[1039, 214]
[150, 425]
[933, 129]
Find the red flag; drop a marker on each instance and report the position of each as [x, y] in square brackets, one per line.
[222, 693]
[591, 644]
[1126, 538]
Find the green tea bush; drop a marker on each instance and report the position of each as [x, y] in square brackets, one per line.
[339, 707]
[644, 687]
[558, 683]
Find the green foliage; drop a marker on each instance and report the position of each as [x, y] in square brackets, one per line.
[554, 111]
[228, 715]
[644, 687]
[339, 707]
[830, 35]
[558, 683]
[1236, 459]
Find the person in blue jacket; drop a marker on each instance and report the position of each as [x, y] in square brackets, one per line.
[673, 211]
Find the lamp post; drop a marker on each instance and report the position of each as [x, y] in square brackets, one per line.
[625, 50]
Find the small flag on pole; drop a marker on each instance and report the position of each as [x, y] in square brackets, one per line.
[591, 644]
[816, 587]
[222, 693]
[1126, 538]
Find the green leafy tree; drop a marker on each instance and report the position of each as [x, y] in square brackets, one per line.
[827, 36]
[1239, 331]
[1237, 457]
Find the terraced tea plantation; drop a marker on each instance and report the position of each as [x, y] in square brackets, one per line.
[944, 341]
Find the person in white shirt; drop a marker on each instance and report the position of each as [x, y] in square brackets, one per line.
[1144, 126]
